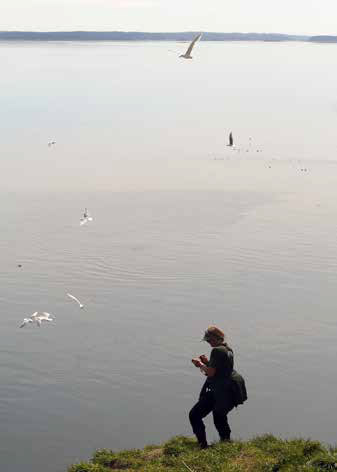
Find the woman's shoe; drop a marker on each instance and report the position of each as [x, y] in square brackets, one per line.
[203, 445]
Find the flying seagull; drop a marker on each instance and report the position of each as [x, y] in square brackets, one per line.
[76, 299]
[86, 217]
[187, 54]
[230, 140]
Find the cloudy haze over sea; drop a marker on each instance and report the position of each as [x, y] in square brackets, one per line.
[300, 17]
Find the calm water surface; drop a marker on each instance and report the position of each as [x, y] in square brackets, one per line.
[186, 233]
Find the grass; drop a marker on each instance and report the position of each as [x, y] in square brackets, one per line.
[261, 454]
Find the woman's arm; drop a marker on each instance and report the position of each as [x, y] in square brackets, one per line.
[209, 371]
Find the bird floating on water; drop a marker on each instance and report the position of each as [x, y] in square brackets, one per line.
[44, 317]
[25, 321]
[76, 300]
[29, 320]
[51, 143]
[86, 217]
[187, 54]
[230, 140]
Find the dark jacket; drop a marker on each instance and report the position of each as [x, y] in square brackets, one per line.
[227, 385]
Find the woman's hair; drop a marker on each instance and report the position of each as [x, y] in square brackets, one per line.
[218, 334]
[214, 332]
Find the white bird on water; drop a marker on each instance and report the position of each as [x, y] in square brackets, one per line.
[187, 54]
[37, 318]
[44, 317]
[51, 143]
[85, 218]
[76, 300]
[28, 320]
[25, 322]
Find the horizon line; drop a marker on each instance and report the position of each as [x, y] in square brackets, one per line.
[120, 35]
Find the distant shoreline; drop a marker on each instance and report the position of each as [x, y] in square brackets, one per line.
[144, 36]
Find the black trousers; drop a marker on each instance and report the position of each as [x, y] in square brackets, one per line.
[202, 408]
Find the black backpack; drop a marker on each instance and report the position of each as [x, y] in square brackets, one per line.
[238, 387]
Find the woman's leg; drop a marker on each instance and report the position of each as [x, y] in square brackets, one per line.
[198, 412]
[220, 416]
[221, 424]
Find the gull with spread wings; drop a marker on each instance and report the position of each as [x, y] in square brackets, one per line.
[187, 54]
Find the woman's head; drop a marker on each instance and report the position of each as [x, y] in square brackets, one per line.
[214, 336]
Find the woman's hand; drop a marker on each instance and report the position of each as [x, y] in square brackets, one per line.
[197, 362]
[203, 359]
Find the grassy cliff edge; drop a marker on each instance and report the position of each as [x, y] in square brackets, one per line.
[264, 453]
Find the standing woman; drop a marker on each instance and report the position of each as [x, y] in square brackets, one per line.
[223, 389]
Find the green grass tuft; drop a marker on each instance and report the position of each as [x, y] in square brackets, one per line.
[88, 467]
[179, 445]
[325, 461]
[180, 454]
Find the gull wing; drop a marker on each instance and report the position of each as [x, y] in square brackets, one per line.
[74, 298]
[190, 47]
[83, 221]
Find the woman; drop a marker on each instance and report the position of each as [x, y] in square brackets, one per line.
[224, 388]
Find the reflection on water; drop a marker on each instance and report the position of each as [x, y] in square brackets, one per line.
[179, 240]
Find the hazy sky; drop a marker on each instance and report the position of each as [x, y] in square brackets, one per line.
[285, 16]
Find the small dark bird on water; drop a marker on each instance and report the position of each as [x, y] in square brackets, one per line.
[231, 140]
